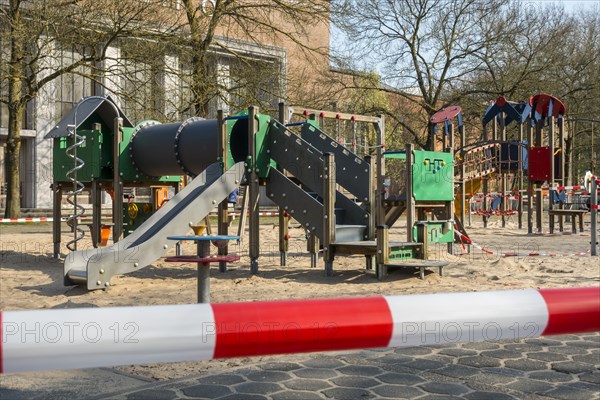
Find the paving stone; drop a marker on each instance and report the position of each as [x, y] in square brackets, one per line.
[542, 341]
[400, 379]
[397, 392]
[593, 359]
[505, 371]
[315, 373]
[569, 393]
[583, 344]
[570, 350]
[530, 386]
[295, 395]
[394, 359]
[414, 351]
[592, 377]
[257, 387]
[157, 394]
[245, 396]
[501, 354]
[488, 396]
[526, 365]
[205, 391]
[492, 378]
[481, 346]
[424, 364]
[570, 367]
[547, 356]
[355, 381]
[524, 347]
[280, 366]
[323, 362]
[268, 376]
[594, 337]
[551, 376]
[479, 361]
[224, 379]
[306, 384]
[584, 386]
[347, 393]
[566, 338]
[458, 352]
[360, 356]
[458, 371]
[452, 389]
[361, 370]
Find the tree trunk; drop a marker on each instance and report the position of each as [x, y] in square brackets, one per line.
[12, 162]
[16, 108]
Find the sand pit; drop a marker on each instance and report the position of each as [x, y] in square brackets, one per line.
[31, 279]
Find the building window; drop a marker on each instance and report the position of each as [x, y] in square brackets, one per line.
[142, 89]
[73, 86]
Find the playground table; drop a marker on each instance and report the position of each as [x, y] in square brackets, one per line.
[203, 259]
[572, 214]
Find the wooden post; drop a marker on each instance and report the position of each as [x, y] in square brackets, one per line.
[371, 201]
[410, 201]
[117, 206]
[380, 170]
[328, 211]
[463, 189]
[503, 169]
[551, 181]
[520, 177]
[282, 218]
[312, 246]
[56, 217]
[561, 166]
[96, 212]
[223, 218]
[253, 191]
[383, 252]
[539, 196]
[530, 185]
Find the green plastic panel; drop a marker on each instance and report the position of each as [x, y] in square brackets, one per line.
[433, 176]
[94, 152]
[403, 254]
[435, 232]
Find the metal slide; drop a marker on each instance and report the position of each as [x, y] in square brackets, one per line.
[94, 267]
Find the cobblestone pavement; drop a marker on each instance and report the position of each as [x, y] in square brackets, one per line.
[559, 367]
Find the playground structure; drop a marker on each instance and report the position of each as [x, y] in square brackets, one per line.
[496, 175]
[313, 178]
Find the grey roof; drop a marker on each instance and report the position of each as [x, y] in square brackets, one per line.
[87, 107]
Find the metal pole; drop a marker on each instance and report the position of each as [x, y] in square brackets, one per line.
[539, 197]
[203, 251]
[463, 189]
[594, 216]
[253, 186]
[551, 182]
[529, 183]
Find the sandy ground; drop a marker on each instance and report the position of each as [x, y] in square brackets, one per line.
[31, 279]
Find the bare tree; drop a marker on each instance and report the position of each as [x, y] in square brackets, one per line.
[421, 46]
[30, 33]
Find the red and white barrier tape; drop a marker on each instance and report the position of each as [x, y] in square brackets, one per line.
[50, 219]
[533, 254]
[101, 337]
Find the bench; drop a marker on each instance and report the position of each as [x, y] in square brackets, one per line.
[566, 213]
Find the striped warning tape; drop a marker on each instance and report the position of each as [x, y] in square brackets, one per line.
[533, 254]
[108, 336]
